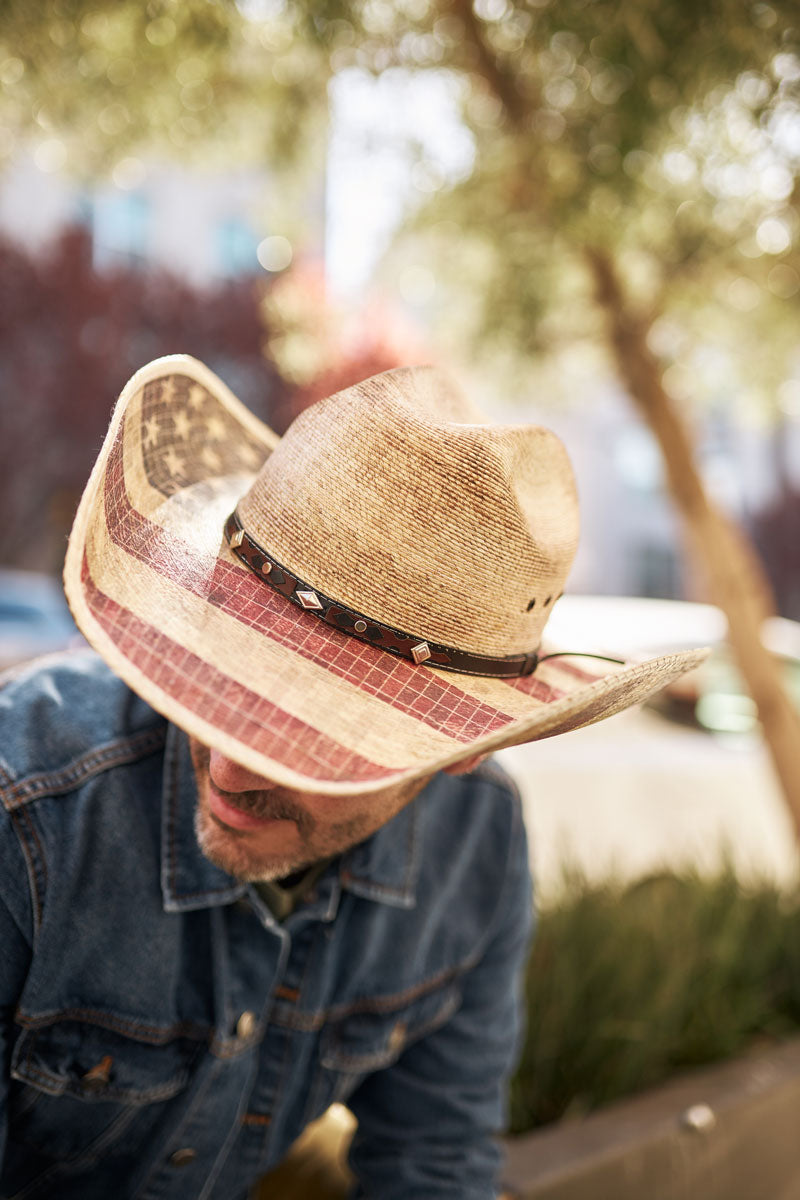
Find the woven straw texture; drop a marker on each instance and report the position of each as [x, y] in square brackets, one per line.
[391, 497]
[457, 531]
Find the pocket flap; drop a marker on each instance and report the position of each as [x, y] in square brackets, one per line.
[94, 1063]
[375, 1035]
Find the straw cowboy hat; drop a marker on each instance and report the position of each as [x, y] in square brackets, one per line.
[357, 603]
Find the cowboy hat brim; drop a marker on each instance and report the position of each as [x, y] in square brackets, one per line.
[156, 591]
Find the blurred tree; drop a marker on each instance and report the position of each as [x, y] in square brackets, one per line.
[635, 173]
[634, 181]
[195, 75]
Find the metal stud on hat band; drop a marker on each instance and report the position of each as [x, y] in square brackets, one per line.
[405, 645]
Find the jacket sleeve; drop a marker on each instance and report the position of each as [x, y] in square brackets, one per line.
[427, 1125]
[15, 954]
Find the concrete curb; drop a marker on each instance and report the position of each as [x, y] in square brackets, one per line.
[728, 1132]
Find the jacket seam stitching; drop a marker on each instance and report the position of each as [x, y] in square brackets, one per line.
[379, 1005]
[157, 1036]
[82, 769]
[376, 1059]
[316, 952]
[25, 836]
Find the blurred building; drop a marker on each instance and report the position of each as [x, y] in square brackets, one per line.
[632, 540]
[202, 226]
[630, 536]
[206, 228]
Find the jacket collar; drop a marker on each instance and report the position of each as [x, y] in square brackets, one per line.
[188, 879]
[383, 868]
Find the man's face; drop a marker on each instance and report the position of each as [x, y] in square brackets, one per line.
[256, 829]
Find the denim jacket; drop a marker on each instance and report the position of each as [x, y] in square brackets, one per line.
[163, 1037]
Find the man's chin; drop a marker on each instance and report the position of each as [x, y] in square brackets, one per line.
[227, 849]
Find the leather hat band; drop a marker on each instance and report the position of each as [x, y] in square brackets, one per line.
[405, 645]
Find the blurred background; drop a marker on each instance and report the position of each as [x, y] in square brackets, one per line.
[589, 212]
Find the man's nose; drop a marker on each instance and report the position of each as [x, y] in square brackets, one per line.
[230, 777]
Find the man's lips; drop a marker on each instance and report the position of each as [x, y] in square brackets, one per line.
[235, 817]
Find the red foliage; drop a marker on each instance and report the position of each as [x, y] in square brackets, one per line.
[348, 344]
[351, 368]
[69, 340]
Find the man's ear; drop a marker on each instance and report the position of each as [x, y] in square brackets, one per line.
[465, 765]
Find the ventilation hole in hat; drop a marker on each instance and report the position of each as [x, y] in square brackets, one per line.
[530, 604]
[547, 601]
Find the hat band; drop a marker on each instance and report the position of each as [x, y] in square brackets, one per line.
[385, 637]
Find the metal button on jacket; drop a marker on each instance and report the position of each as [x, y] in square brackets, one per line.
[98, 1077]
[397, 1038]
[184, 1156]
[246, 1025]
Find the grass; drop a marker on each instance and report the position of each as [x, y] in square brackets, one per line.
[630, 983]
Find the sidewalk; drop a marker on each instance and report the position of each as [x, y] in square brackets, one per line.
[638, 793]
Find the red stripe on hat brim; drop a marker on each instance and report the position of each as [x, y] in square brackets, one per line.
[423, 695]
[222, 701]
[571, 668]
[531, 686]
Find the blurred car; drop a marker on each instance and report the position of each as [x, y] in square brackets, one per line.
[34, 617]
[712, 697]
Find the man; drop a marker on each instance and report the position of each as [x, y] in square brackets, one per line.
[252, 860]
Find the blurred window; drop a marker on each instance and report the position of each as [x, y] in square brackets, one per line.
[638, 461]
[120, 228]
[655, 571]
[236, 246]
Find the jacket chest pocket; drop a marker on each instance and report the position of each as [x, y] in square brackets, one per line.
[371, 1037]
[80, 1093]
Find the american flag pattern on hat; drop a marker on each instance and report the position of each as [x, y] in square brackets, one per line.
[157, 592]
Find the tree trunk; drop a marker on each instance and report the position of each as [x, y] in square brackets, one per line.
[735, 578]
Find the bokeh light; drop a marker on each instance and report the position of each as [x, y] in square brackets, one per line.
[274, 253]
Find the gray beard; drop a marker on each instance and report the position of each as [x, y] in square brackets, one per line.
[251, 873]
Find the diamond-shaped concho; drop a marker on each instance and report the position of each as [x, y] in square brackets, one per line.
[420, 652]
[309, 600]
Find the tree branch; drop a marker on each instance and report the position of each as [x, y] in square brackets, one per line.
[501, 82]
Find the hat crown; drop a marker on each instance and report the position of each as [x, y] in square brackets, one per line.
[395, 498]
